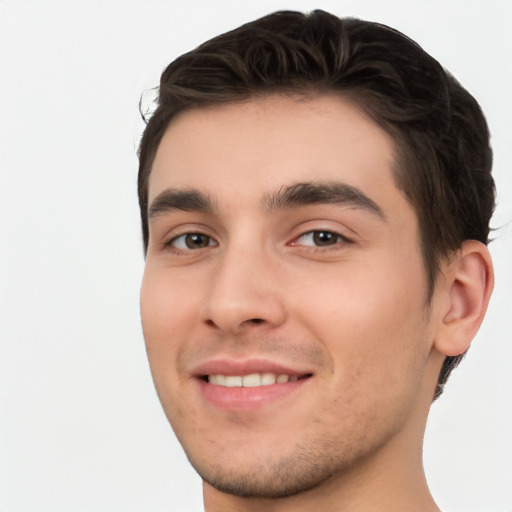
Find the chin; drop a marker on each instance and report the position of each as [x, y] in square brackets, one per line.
[274, 477]
[280, 481]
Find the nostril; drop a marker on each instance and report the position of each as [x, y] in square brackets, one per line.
[253, 321]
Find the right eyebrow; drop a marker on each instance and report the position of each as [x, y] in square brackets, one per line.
[175, 199]
[308, 193]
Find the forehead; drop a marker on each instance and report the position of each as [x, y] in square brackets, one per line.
[240, 151]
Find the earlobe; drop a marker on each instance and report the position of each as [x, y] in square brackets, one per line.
[469, 284]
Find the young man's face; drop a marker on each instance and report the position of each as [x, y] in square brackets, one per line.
[281, 249]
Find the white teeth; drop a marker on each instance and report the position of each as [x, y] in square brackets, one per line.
[233, 381]
[250, 381]
[220, 380]
[268, 378]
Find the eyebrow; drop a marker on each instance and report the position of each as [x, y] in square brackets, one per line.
[184, 200]
[310, 193]
[291, 196]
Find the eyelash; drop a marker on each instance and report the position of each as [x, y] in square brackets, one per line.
[339, 240]
[182, 250]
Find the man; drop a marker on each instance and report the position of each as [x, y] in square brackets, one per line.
[315, 197]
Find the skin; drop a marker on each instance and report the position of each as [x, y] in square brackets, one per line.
[351, 313]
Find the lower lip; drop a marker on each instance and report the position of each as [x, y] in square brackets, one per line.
[248, 399]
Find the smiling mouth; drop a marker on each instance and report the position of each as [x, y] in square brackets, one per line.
[252, 380]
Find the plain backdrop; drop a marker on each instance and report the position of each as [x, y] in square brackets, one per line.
[81, 429]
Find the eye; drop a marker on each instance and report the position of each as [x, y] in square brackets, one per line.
[191, 241]
[320, 239]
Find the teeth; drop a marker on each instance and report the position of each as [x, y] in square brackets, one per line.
[233, 381]
[268, 378]
[250, 381]
[219, 380]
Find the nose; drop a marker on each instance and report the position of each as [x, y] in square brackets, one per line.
[244, 293]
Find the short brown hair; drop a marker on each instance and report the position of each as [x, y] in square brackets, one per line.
[443, 156]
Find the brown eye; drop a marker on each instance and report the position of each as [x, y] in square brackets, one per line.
[322, 238]
[192, 241]
[196, 241]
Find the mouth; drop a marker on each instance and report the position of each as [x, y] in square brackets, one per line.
[252, 380]
[244, 386]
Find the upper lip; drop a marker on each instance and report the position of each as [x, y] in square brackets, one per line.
[226, 366]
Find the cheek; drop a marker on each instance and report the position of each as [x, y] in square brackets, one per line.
[166, 318]
[373, 326]
[165, 305]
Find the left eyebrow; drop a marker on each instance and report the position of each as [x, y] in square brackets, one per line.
[310, 193]
[176, 199]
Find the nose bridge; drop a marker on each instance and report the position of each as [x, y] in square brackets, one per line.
[244, 289]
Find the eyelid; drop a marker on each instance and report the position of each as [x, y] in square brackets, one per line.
[343, 239]
[184, 235]
[316, 225]
[183, 230]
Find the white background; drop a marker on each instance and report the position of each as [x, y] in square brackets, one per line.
[80, 425]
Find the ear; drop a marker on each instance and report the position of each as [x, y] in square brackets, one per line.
[468, 284]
